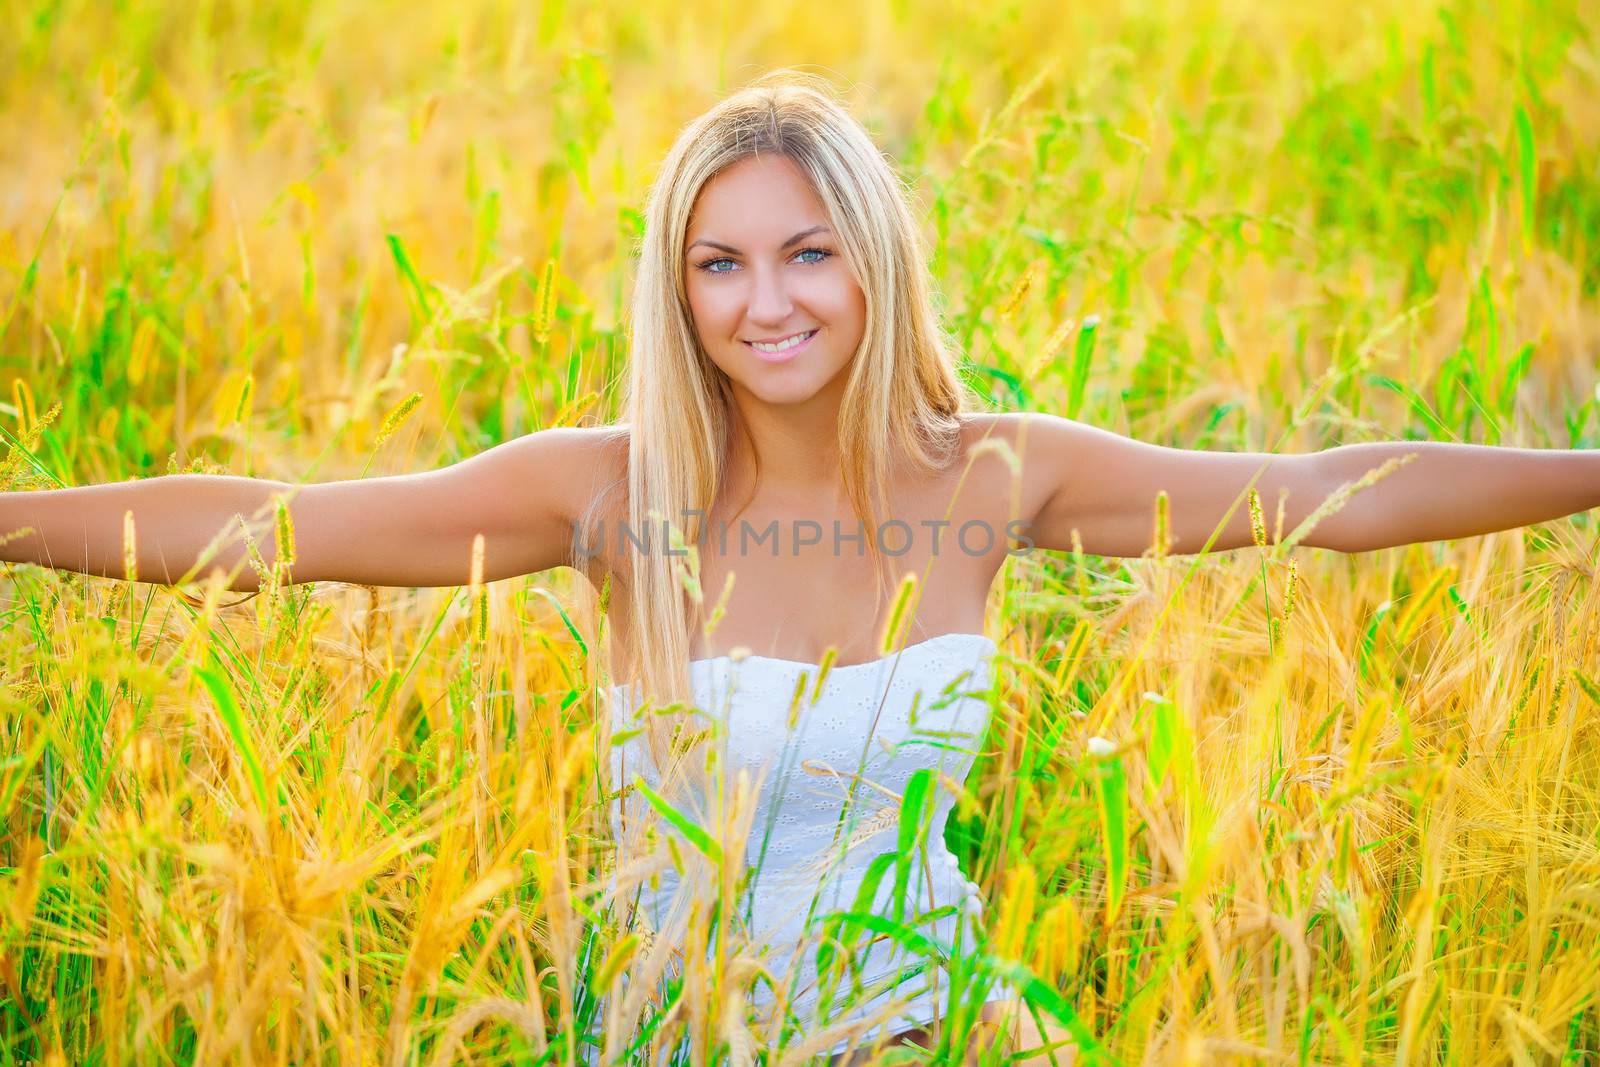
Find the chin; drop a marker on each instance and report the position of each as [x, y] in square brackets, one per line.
[785, 384]
[778, 393]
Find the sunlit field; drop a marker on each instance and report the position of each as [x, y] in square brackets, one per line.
[1338, 809]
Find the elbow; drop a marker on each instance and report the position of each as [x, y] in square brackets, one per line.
[1341, 547]
[1335, 539]
[1342, 525]
[1332, 532]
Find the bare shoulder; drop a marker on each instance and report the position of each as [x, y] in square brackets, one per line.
[997, 444]
[605, 446]
[1005, 423]
[561, 472]
[592, 461]
[1007, 426]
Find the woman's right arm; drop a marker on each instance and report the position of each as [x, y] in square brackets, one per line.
[402, 530]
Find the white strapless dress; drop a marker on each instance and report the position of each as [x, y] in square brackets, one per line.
[828, 805]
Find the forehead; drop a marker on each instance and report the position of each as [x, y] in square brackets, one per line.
[758, 201]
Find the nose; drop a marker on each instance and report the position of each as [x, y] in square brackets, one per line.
[769, 302]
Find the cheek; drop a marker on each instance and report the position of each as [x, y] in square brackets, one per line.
[700, 314]
[840, 301]
[850, 293]
[708, 305]
[853, 308]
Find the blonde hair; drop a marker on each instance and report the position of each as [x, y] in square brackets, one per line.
[903, 397]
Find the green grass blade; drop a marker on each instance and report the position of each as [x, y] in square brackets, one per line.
[233, 720]
[696, 834]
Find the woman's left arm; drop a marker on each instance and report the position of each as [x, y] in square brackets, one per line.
[1099, 489]
[1453, 490]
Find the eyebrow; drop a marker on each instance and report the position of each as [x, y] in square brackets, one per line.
[801, 236]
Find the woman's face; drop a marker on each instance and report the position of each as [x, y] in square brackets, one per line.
[764, 266]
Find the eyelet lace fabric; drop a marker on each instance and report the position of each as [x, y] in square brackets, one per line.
[832, 772]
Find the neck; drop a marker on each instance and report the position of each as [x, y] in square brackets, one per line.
[795, 446]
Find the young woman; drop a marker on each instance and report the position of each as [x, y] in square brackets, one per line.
[794, 411]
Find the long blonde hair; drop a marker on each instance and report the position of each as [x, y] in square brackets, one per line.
[903, 396]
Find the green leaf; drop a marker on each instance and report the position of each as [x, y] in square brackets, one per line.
[867, 891]
[1163, 736]
[916, 799]
[574, 373]
[1111, 797]
[918, 787]
[697, 834]
[1527, 166]
[890, 928]
[1082, 354]
[565, 618]
[866, 894]
[1590, 689]
[623, 736]
[1037, 992]
[401, 260]
[1418, 405]
[1515, 370]
[233, 720]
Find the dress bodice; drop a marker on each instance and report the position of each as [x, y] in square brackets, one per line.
[832, 772]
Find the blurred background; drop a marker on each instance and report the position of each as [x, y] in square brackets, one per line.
[321, 241]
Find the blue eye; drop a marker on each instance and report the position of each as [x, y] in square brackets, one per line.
[708, 264]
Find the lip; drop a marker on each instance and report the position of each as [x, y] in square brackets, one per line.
[787, 354]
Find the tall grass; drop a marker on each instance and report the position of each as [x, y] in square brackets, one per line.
[347, 825]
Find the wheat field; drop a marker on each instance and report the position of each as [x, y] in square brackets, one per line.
[1269, 806]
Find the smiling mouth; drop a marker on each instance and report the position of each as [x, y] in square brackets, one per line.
[783, 346]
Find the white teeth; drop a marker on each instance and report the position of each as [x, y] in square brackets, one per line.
[782, 346]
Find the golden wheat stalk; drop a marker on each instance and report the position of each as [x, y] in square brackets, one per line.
[1341, 496]
[900, 616]
[285, 534]
[22, 531]
[130, 547]
[683, 557]
[1019, 292]
[478, 596]
[544, 311]
[27, 442]
[245, 393]
[22, 398]
[1163, 526]
[265, 579]
[396, 416]
[1052, 345]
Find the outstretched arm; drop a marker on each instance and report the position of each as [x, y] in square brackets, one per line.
[1454, 490]
[1104, 485]
[403, 530]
